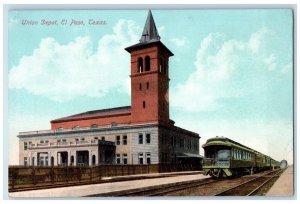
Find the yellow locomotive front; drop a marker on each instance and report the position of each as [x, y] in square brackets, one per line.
[217, 154]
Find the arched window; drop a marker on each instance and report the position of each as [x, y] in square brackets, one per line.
[93, 160]
[165, 67]
[76, 128]
[161, 62]
[72, 160]
[147, 63]
[94, 126]
[60, 129]
[140, 65]
[52, 161]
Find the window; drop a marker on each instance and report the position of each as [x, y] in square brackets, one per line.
[42, 161]
[148, 138]
[42, 141]
[141, 158]
[124, 139]
[76, 139]
[141, 139]
[141, 86]
[58, 140]
[181, 143]
[94, 126]
[140, 65]
[82, 139]
[76, 128]
[165, 68]
[125, 160]
[148, 158]
[147, 63]
[147, 85]
[118, 142]
[60, 129]
[223, 154]
[95, 138]
[25, 145]
[160, 65]
[46, 161]
[118, 159]
[64, 140]
[144, 104]
[173, 141]
[25, 161]
[103, 138]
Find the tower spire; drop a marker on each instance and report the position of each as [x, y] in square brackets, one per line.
[150, 32]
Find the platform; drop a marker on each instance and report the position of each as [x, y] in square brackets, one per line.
[284, 186]
[85, 190]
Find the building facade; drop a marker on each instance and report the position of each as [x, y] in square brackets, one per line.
[138, 134]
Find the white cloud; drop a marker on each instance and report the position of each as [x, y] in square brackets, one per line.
[161, 31]
[179, 42]
[65, 71]
[270, 62]
[256, 39]
[218, 63]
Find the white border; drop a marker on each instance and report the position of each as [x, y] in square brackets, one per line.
[130, 4]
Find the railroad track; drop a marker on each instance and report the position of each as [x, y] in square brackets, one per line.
[159, 190]
[251, 187]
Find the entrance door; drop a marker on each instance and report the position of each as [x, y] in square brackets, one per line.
[82, 158]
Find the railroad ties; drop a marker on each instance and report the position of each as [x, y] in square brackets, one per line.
[253, 187]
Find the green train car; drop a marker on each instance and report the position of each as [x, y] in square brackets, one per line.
[224, 157]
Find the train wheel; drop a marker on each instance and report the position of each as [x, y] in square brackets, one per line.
[216, 173]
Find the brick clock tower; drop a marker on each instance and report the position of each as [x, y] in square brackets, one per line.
[150, 77]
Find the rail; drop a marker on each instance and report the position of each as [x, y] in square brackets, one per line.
[245, 188]
[159, 190]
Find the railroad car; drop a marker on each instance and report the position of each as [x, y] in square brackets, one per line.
[283, 164]
[224, 157]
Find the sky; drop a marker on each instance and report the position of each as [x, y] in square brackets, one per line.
[231, 73]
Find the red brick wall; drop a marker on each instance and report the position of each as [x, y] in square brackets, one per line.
[123, 119]
[156, 95]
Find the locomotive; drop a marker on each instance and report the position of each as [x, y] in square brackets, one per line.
[283, 164]
[224, 157]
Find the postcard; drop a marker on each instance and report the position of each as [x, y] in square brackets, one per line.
[150, 102]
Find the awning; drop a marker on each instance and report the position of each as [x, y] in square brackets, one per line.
[189, 155]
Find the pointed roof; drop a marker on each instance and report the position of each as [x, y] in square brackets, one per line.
[150, 31]
[149, 37]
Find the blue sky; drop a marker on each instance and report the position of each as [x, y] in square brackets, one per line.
[231, 74]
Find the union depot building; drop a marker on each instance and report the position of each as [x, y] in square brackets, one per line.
[142, 133]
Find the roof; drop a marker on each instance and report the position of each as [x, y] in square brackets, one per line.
[150, 31]
[224, 141]
[189, 155]
[149, 36]
[96, 113]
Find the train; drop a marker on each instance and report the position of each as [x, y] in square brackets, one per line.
[224, 157]
[283, 164]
